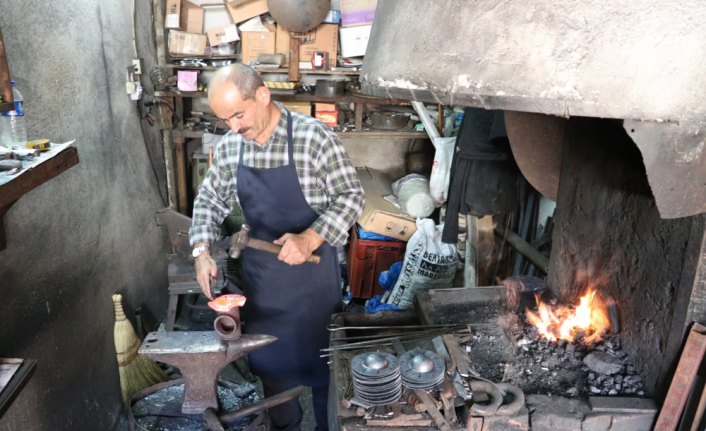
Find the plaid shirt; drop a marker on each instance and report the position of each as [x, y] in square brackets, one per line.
[326, 176]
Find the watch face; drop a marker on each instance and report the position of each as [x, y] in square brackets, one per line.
[197, 251]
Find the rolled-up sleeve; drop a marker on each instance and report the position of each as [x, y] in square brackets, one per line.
[345, 194]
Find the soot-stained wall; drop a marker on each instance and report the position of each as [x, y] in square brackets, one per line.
[609, 234]
[90, 232]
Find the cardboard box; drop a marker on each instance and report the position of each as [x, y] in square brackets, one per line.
[327, 113]
[323, 38]
[253, 43]
[379, 215]
[215, 17]
[245, 11]
[171, 18]
[357, 12]
[181, 42]
[354, 40]
[300, 107]
[221, 35]
[191, 17]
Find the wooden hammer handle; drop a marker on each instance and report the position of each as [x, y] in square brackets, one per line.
[259, 244]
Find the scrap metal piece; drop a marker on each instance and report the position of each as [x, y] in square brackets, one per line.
[461, 386]
[684, 377]
[267, 403]
[496, 398]
[516, 403]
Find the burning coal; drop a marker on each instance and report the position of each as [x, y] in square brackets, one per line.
[587, 322]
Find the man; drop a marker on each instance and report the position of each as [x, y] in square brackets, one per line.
[297, 188]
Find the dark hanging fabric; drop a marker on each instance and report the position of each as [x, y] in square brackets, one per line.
[484, 176]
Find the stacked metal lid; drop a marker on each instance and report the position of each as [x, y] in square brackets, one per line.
[376, 378]
[421, 369]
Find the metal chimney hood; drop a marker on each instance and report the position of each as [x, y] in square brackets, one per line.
[643, 62]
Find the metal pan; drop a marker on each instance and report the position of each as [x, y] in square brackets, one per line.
[330, 88]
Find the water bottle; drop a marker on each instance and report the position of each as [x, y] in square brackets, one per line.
[15, 120]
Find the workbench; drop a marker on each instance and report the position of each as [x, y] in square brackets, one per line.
[475, 306]
[34, 173]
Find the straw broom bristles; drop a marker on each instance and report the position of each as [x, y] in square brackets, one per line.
[136, 371]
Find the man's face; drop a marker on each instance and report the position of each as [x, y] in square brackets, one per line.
[242, 116]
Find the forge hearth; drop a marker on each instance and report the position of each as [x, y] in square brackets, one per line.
[556, 368]
[563, 385]
[570, 383]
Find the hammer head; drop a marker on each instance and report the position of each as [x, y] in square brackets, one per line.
[239, 241]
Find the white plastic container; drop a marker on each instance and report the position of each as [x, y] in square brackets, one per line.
[413, 194]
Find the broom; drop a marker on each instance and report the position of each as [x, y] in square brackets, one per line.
[136, 371]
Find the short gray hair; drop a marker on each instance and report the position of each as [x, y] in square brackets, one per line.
[245, 78]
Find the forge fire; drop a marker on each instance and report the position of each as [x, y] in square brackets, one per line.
[587, 323]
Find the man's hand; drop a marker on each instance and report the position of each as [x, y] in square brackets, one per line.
[296, 248]
[206, 269]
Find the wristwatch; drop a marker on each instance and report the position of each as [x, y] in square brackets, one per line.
[196, 252]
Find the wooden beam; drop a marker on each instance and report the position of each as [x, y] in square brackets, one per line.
[33, 177]
[294, 57]
[5, 88]
[165, 113]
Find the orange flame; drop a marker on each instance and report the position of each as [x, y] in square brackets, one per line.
[589, 319]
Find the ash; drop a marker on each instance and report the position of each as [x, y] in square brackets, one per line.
[519, 355]
[161, 410]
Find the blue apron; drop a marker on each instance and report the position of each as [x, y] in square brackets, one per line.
[293, 303]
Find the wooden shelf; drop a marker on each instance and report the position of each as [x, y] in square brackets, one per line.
[352, 134]
[300, 97]
[32, 178]
[265, 70]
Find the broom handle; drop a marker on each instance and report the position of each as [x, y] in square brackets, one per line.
[117, 302]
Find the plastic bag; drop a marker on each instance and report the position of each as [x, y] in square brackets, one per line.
[428, 263]
[375, 304]
[387, 279]
[441, 169]
[412, 192]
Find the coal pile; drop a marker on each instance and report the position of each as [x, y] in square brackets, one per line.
[556, 368]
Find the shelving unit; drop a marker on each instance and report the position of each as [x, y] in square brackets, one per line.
[175, 136]
[31, 178]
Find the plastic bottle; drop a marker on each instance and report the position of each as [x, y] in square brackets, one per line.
[15, 119]
[5, 140]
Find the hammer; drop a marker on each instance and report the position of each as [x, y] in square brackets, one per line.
[242, 239]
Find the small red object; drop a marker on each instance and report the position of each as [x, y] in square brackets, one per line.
[225, 303]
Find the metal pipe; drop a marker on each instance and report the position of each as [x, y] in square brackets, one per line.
[267, 403]
[382, 341]
[470, 271]
[334, 327]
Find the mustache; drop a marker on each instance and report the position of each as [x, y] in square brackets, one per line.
[243, 130]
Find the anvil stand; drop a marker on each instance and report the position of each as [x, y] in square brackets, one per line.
[201, 355]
